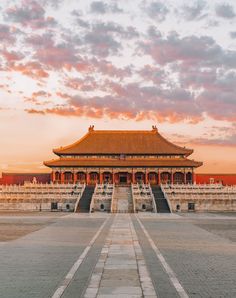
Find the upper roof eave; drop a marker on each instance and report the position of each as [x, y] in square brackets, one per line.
[93, 143]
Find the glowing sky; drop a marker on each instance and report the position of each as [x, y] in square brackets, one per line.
[124, 64]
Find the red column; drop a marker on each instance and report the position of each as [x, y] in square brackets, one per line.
[133, 177]
[146, 177]
[193, 177]
[74, 177]
[87, 178]
[185, 181]
[62, 178]
[100, 178]
[113, 178]
[159, 177]
[172, 178]
[53, 176]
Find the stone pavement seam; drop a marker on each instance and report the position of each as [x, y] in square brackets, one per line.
[64, 284]
[96, 277]
[145, 279]
[182, 293]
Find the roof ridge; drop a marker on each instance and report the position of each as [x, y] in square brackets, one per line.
[120, 130]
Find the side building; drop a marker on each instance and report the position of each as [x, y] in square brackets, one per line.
[123, 157]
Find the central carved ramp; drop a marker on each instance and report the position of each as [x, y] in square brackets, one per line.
[122, 200]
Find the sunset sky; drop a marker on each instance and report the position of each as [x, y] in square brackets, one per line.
[127, 64]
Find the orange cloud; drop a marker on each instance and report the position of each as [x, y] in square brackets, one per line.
[30, 69]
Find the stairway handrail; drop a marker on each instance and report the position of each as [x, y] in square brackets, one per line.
[79, 197]
[133, 198]
[91, 207]
[153, 199]
[166, 197]
[112, 198]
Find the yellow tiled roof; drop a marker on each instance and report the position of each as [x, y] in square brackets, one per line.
[123, 142]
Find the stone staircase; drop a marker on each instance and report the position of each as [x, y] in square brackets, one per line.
[84, 202]
[161, 202]
[122, 200]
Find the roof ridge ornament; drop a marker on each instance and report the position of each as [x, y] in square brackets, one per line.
[154, 128]
[91, 128]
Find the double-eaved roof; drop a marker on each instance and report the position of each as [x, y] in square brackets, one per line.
[98, 142]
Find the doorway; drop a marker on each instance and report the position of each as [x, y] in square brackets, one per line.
[123, 178]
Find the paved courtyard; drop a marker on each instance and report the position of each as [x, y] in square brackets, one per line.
[123, 255]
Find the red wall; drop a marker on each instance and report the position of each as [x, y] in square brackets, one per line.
[20, 178]
[225, 179]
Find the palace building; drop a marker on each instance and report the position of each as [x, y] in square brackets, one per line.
[123, 157]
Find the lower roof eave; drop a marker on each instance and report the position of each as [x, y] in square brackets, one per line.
[60, 163]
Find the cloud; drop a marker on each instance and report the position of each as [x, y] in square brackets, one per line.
[11, 56]
[190, 50]
[105, 38]
[225, 11]
[37, 98]
[233, 34]
[56, 55]
[78, 19]
[103, 66]
[30, 69]
[215, 90]
[107, 68]
[40, 93]
[218, 96]
[53, 3]
[6, 88]
[7, 34]
[29, 13]
[153, 74]
[215, 136]
[224, 141]
[100, 7]
[38, 41]
[196, 78]
[116, 29]
[131, 101]
[33, 111]
[85, 84]
[101, 44]
[194, 11]
[157, 10]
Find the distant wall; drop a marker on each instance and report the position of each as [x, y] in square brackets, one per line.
[20, 178]
[225, 179]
